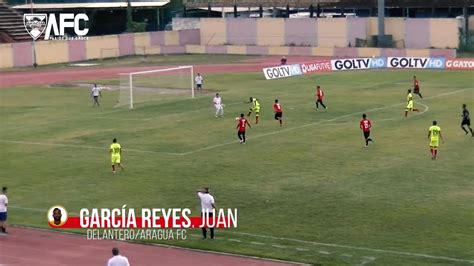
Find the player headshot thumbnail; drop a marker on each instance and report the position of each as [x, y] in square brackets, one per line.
[57, 216]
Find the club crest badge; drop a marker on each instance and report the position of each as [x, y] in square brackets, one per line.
[35, 24]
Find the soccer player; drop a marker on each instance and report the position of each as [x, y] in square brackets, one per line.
[218, 105]
[198, 79]
[115, 153]
[410, 104]
[278, 111]
[434, 135]
[466, 120]
[96, 93]
[365, 125]
[320, 97]
[241, 126]
[254, 108]
[416, 87]
[3, 210]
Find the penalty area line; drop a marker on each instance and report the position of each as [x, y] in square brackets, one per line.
[82, 146]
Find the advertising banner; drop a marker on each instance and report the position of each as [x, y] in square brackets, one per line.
[358, 63]
[317, 66]
[416, 62]
[460, 64]
[320, 66]
[283, 71]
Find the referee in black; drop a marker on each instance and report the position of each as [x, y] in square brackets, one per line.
[466, 120]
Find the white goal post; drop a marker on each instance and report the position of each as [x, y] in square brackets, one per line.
[151, 85]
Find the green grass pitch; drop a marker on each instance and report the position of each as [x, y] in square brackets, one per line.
[309, 191]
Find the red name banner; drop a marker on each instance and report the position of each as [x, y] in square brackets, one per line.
[227, 221]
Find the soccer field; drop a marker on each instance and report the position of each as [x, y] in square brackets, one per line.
[308, 191]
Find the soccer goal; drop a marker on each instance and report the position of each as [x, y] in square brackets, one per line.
[153, 85]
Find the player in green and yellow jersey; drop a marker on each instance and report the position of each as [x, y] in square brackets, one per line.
[115, 153]
[434, 135]
[410, 104]
[254, 108]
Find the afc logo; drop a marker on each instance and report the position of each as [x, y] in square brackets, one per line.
[36, 24]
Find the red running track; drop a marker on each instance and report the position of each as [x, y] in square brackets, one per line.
[29, 247]
[69, 74]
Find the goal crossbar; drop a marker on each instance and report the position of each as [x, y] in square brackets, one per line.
[131, 86]
[158, 70]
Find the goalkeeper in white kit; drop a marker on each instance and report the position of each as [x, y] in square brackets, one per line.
[218, 105]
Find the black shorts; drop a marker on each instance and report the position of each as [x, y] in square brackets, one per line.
[466, 122]
[278, 115]
[366, 134]
[3, 216]
[199, 86]
[96, 97]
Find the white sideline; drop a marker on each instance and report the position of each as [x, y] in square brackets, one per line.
[393, 252]
[233, 142]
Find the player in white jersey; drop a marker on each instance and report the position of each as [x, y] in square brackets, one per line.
[96, 93]
[3, 210]
[198, 79]
[218, 105]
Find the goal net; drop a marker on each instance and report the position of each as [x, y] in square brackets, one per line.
[153, 85]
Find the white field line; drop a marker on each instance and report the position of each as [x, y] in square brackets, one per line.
[235, 141]
[299, 249]
[392, 252]
[376, 250]
[168, 115]
[191, 111]
[28, 126]
[279, 246]
[103, 116]
[367, 260]
[400, 117]
[63, 118]
[82, 146]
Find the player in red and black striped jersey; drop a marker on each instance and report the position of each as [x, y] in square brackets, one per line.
[241, 126]
[320, 98]
[278, 112]
[365, 125]
[416, 87]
